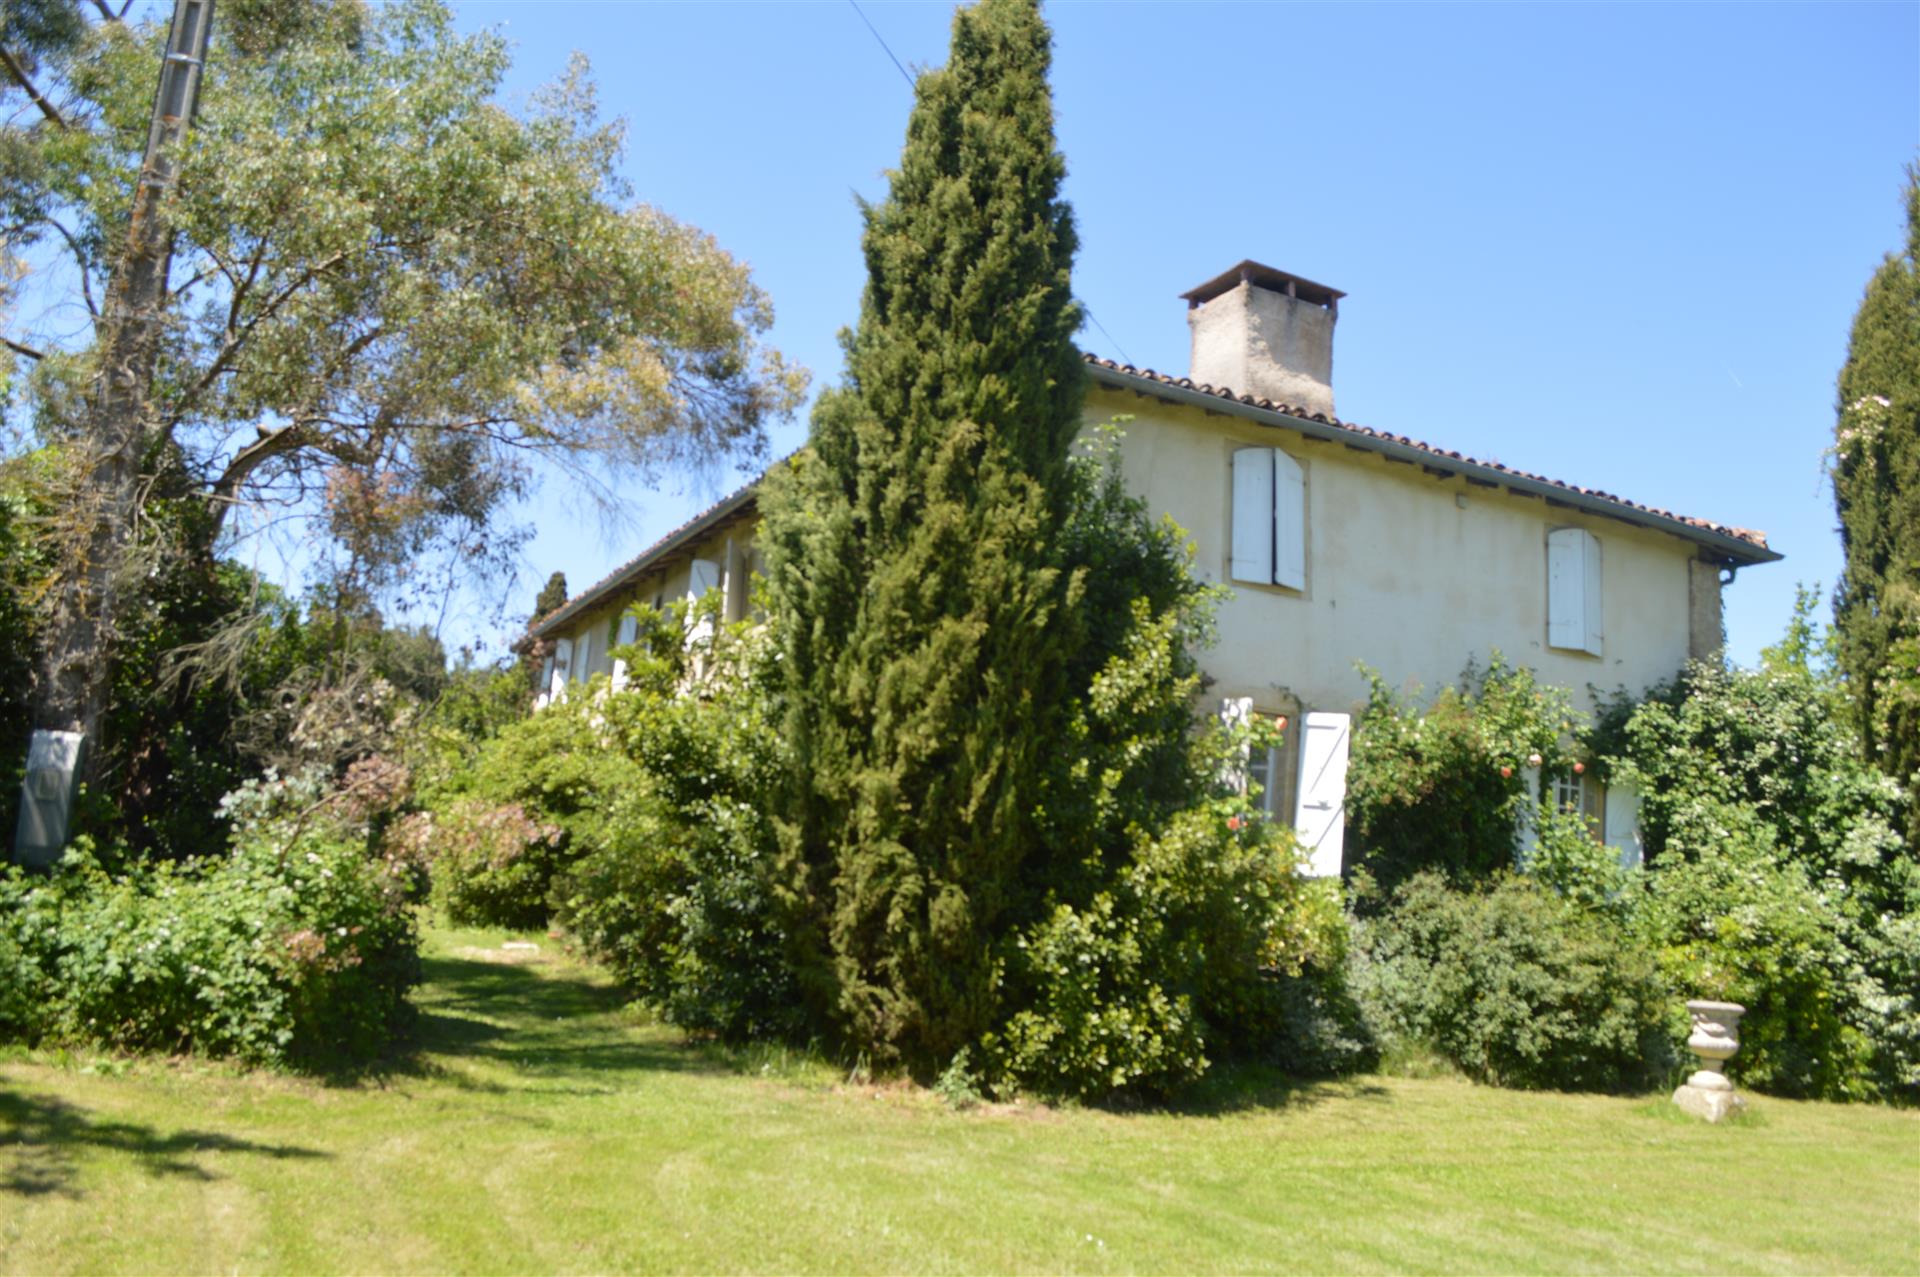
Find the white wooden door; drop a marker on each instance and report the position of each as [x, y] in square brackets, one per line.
[1320, 818]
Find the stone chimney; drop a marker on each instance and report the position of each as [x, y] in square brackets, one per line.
[1262, 332]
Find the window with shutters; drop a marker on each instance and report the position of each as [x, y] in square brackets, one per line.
[1273, 772]
[583, 657]
[628, 631]
[703, 576]
[1581, 793]
[1573, 591]
[1269, 528]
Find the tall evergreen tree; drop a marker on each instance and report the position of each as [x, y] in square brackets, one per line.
[551, 597]
[1876, 488]
[926, 620]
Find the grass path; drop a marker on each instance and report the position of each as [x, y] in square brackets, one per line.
[545, 1128]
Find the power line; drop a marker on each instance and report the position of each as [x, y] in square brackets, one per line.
[883, 43]
[908, 77]
[1095, 320]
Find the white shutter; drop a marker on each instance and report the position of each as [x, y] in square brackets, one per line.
[583, 657]
[1252, 532]
[1623, 824]
[562, 664]
[629, 630]
[1289, 522]
[1590, 593]
[546, 683]
[736, 583]
[1573, 590]
[1527, 819]
[703, 576]
[1320, 819]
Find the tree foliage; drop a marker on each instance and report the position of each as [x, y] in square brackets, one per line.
[1444, 787]
[391, 297]
[1778, 877]
[1876, 489]
[998, 831]
[917, 578]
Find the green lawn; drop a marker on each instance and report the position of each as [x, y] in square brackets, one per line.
[545, 1128]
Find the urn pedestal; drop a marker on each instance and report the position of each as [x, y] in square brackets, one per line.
[1715, 1037]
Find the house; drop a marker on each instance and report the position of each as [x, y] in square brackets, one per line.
[1342, 544]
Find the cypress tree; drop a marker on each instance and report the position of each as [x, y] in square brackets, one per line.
[925, 618]
[551, 597]
[1876, 488]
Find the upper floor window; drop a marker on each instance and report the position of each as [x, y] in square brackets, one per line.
[1269, 532]
[1573, 590]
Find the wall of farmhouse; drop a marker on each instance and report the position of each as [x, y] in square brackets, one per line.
[1411, 573]
[595, 630]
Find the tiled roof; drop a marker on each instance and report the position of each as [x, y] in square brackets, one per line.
[1443, 457]
[1744, 544]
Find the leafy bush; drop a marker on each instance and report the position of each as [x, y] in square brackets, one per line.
[1189, 954]
[1162, 923]
[1517, 985]
[674, 891]
[1736, 921]
[295, 948]
[1778, 876]
[538, 795]
[1445, 787]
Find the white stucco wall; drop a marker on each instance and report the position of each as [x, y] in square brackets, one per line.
[1408, 572]
[665, 586]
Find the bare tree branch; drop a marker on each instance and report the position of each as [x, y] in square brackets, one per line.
[19, 349]
[79, 262]
[20, 78]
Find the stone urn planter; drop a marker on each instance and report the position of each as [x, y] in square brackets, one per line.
[1715, 1037]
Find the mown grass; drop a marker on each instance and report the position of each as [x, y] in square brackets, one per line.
[544, 1127]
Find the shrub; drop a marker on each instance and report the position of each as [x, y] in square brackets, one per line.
[1732, 919]
[295, 948]
[1778, 874]
[538, 796]
[1444, 788]
[1194, 951]
[1516, 985]
[673, 890]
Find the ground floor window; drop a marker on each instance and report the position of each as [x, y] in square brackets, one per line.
[1575, 791]
[1275, 773]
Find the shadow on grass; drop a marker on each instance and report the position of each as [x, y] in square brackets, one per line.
[39, 1138]
[544, 1023]
[1244, 1086]
[550, 1028]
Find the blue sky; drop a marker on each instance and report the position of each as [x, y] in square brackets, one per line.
[1618, 245]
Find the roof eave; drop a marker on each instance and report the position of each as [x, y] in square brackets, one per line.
[652, 559]
[1731, 548]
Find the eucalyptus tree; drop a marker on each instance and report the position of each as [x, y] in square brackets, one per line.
[390, 296]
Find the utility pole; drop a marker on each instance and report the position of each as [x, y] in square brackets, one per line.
[70, 696]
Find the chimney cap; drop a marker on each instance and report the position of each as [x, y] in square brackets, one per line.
[1252, 272]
